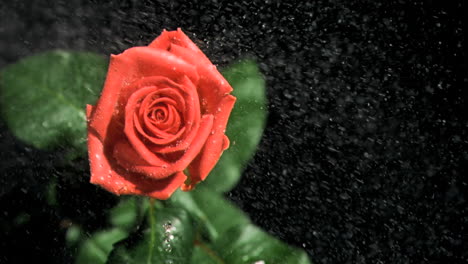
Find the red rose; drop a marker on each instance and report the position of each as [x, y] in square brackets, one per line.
[163, 109]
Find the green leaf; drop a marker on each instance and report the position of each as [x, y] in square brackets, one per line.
[73, 235]
[125, 214]
[43, 97]
[245, 126]
[185, 200]
[96, 249]
[169, 241]
[248, 244]
[214, 213]
[201, 256]
[221, 213]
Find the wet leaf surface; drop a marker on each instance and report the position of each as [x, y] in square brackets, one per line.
[43, 98]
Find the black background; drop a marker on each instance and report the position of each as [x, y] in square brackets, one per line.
[363, 157]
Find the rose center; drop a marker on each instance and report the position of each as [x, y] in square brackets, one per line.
[158, 114]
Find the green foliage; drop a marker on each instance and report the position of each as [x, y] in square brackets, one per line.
[248, 244]
[43, 97]
[123, 218]
[168, 238]
[206, 206]
[235, 239]
[245, 126]
[202, 256]
[126, 214]
[73, 235]
[97, 248]
[186, 201]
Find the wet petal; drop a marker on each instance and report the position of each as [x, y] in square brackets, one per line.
[215, 144]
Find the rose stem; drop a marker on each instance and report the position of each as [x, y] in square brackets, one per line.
[152, 230]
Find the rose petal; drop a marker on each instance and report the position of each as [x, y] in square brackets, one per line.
[150, 61]
[103, 111]
[164, 189]
[212, 86]
[132, 123]
[162, 139]
[139, 119]
[191, 119]
[126, 68]
[191, 122]
[130, 128]
[226, 142]
[118, 181]
[168, 95]
[170, 123]
[153, 81]
[130, 158]
[168, 38]
[215, 144]
[89, 110]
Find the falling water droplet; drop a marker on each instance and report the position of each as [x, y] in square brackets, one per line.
[168, 236]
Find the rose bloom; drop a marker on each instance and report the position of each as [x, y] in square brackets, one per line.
[160, 121]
